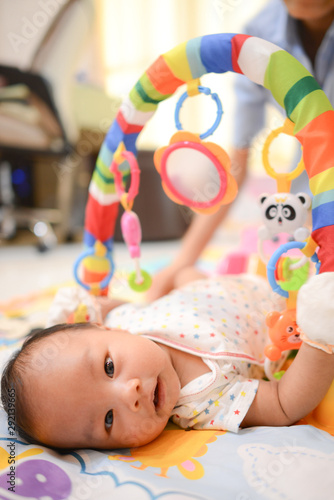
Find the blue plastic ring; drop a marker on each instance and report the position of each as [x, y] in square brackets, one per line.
[89, 253]
[271, 266]
[206, 91]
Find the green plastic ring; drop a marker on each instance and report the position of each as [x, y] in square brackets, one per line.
[140, 287]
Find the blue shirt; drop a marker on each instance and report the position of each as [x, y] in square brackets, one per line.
[274, 24]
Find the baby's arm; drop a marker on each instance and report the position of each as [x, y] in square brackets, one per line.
[298, 392]
[107, 304]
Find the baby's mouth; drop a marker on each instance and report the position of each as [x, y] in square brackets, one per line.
[156, 396]
[159, 396]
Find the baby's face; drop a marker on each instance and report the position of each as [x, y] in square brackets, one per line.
[104, 389]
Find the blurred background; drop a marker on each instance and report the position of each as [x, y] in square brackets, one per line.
[65, 66]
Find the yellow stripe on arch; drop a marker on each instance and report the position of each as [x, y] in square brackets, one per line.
[322, 182]
[177, 61]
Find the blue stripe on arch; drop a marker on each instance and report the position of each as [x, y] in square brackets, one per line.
[194, 57]
[216, 52]
[130, 142]
[324, 197]
[116, 135]
[105, 155]
[323, 215]
[90, 240]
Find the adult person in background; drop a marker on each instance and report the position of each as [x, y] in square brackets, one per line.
[305, 29]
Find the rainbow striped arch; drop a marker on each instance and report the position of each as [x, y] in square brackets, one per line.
[291, 85]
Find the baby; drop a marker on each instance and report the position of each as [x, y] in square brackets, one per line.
[194, 355]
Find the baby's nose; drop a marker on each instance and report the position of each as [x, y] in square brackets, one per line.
[132, 393]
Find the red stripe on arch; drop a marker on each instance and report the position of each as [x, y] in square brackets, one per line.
[324, 237]
[317, 139]
[237, 42]
[100, 219]
[127, 128]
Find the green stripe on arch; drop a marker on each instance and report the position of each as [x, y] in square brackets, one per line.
[282, 73]
[298, 91]
[138, 102]
[145, 97]
[312, 105]
[104, 172]
[295, 89]
[104, 187]
[150, 90]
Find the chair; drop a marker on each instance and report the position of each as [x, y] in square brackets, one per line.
[37, 121]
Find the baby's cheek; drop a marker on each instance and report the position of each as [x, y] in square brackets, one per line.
[144, 431]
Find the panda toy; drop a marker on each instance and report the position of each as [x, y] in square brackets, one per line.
[284, 213]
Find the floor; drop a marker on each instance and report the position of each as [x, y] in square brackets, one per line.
[23, 269]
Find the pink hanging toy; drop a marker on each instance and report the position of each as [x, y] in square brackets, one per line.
[140, 280]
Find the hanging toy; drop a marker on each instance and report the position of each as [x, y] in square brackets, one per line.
[139, 280]
[285, 336]
[193, 172]
[98, 269]
[80, 315]
[283, 328]
[282, 212]
[283, 332]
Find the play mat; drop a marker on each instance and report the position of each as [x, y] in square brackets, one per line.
[285, 463]
[263, 462]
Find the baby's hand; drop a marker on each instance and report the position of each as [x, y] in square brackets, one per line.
[315, 311]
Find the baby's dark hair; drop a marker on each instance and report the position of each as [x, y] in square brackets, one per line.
[13, 383]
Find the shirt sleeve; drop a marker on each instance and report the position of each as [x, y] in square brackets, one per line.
[249, 117]
[224, 409]
[120, 317]
[250, 98]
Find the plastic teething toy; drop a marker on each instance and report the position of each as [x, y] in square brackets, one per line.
[271, 267]
[140, 280]
[283, 329]
[98, 269]
[282, 212]
[284, 334]
[283, 179]
[194, 88]
[193, 172]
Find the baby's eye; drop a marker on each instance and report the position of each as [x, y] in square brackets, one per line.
[109, 419]
[109, 367]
